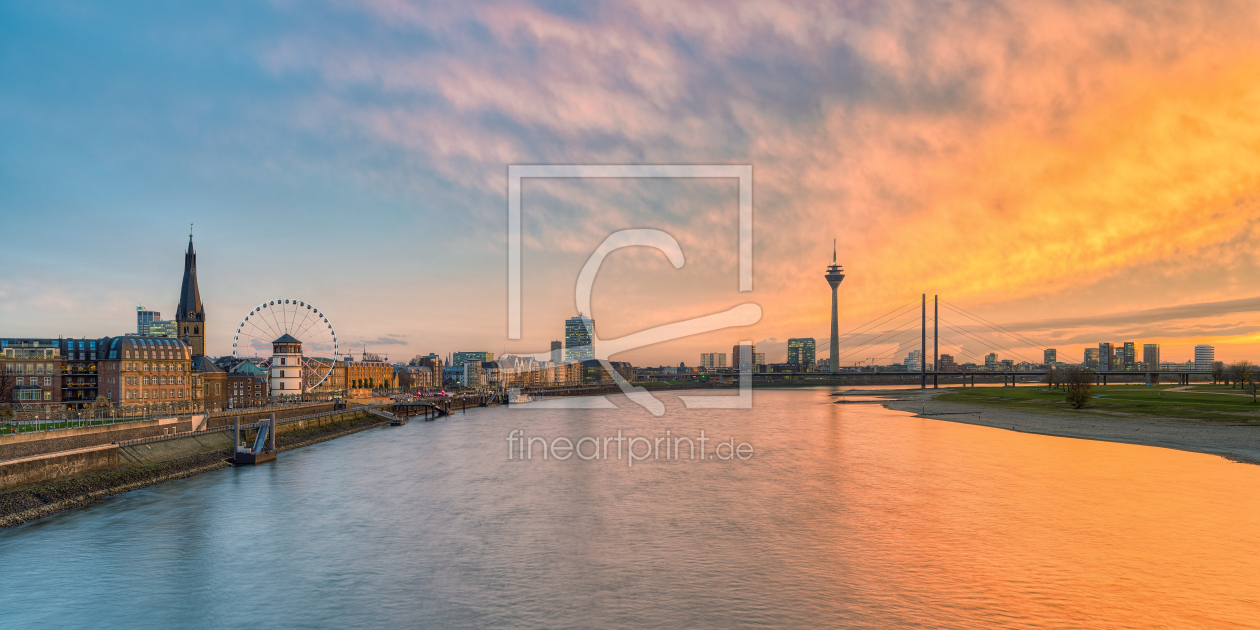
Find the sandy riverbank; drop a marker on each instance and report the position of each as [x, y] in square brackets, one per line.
[1236, 443]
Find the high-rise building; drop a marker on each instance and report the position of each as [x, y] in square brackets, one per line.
[914, 361]
[1106, 357]
[1050, 356]
[577, 338]
[1091, 358]
[1150, 356]
[744, 357]
[800, 354]
[835, 275]
[460, 358]
[1130, 355]
[713, 360]
[991, 361]
[1204, 357]
[946, 363]
[557, 351]
[144, 318]
[190, 317]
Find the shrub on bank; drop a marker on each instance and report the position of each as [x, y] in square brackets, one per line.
[1077, 381]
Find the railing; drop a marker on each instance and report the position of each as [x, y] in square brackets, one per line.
[255, 425]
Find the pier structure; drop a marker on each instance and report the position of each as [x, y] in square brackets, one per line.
[264, 449]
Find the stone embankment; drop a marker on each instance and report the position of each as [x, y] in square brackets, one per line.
[143, 465]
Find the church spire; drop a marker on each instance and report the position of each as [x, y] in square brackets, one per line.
[190, 315]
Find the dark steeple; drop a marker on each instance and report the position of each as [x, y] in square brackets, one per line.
[190, 315]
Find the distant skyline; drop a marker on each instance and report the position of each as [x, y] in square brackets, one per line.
[1081, 173]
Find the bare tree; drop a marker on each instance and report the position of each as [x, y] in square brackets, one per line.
[1218, 372]
[1078, 382]
[1244, 373]
[1052, 377]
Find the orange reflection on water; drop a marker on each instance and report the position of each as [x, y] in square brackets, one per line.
[979, 525]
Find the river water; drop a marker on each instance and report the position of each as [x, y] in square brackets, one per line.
[844, 515]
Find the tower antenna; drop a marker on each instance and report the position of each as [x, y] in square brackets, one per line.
[190, 232]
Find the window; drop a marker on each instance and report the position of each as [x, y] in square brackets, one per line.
[19, 380]
[281, 360]
[181, 393]
[146, 380]
[48, 380]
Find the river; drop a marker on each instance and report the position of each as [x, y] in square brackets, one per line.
[832, 515]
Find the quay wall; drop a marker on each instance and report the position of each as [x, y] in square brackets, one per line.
[21, 445]
[40, 468]
[221, 419]
[48, 483]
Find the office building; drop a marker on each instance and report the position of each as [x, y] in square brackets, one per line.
[800, 354]
[168, 329]
[144, 318]
[946, 364]
[577, 338]
[1050, 356]
[1150, 356]
[744, 357]
[557, 351]
[713, 360]
[1106, 357]
[150, 324]
[1091, 358]
[1130, 355]
[913, 361]
[1204, 357]
[460, 358]
[991, 361]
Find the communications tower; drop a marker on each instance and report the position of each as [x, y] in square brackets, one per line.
[835, 275]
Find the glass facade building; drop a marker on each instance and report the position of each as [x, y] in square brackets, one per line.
[800, 353]
[577, 338]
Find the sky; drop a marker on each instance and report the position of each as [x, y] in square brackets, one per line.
[1076, 171]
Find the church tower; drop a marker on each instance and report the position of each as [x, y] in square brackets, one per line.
[190, 315]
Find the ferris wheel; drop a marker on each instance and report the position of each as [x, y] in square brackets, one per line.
[274, 319]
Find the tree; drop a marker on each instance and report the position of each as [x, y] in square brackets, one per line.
[1052, 378]
[1244, 373]
[7, 381]
[1078, 381]
[1218, 372]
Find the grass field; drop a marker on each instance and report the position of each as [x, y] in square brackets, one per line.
[1204, 403]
